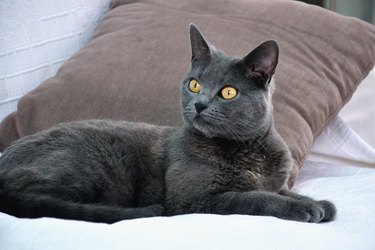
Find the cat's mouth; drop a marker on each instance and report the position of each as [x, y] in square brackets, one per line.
[201, 119]
[204, 125]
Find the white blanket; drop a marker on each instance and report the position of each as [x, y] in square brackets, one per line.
[331, 172]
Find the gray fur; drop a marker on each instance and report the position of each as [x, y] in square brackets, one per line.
[225, 159]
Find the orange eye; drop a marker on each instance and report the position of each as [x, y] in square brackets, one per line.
[194, 86]
[228, 93]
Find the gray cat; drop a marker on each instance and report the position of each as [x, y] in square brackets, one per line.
[227, 158]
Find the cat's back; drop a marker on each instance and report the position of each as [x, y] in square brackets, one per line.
[104, 140]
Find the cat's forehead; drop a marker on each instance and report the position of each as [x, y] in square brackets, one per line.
[218, 70]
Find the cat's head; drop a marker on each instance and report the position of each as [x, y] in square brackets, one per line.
[229, 97]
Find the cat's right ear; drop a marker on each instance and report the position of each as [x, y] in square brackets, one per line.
[199, 48]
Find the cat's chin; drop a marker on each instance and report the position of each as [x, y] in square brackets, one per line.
[202, 127]
[207, 130]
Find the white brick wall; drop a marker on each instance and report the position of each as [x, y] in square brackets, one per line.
[36, 37]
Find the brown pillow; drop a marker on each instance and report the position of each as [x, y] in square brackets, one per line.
[132, 67]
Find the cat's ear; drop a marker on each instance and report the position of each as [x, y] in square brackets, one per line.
[199, 48]
[262, 61]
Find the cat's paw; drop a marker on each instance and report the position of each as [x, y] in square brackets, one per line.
[329, 210]
[306, 212]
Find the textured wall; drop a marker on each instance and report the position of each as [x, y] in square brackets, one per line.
[36, 37]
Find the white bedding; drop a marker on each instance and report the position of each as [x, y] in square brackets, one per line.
[351, 188]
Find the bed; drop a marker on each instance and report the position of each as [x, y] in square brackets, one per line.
[340, 165]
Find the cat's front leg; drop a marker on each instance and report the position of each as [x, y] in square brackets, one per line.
[267, 204]
[328, 207]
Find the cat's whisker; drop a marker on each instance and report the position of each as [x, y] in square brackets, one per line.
[257, 137]
[235, 135]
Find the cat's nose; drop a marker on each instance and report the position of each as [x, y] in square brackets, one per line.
[200, 107]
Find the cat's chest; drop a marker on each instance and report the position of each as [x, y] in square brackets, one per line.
[244, 171]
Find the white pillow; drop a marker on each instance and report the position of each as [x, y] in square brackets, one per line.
[359, 112]
[36, 37]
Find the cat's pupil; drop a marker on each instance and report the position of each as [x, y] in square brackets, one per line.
[194, 86]
[228, 93]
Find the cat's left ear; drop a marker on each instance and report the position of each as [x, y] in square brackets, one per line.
[262, 61]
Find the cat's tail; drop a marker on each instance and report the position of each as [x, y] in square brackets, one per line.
[36, 206]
